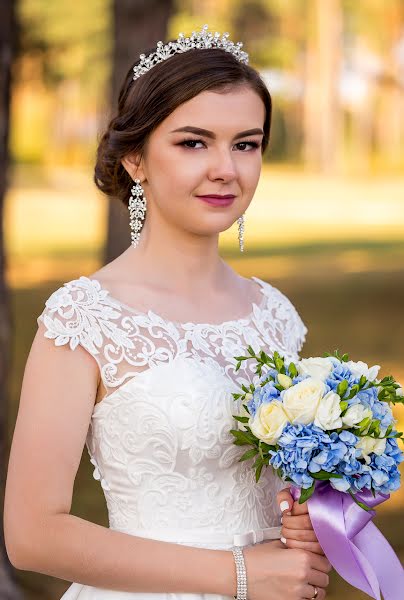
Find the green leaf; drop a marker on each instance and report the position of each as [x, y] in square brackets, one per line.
[306, 493]
[362, 381]
[342, 387]
[259, 461]
[279, 364]
[241, 419]
[324, 475]
[359, 503]
[241, 436]
[364, 424]
[293, 370]
[258, 472]
[249, 454]
[343, 405]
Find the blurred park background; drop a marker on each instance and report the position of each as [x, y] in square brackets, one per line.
[326, 225]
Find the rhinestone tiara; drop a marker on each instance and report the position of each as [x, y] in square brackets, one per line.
[202, 39]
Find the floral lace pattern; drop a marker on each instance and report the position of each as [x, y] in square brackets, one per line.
[159, 439]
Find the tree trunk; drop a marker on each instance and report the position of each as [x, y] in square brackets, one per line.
[138, 25]
[9, 589]
[322, 115]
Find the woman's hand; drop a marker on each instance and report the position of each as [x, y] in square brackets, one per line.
[274, 572]
[297, 530]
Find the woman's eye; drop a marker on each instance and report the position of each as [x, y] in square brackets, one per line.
[250, 143]
[190, 142]
[253, 144]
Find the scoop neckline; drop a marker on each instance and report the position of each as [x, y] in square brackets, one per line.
[245, 319]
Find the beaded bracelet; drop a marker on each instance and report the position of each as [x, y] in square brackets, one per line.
[241, 573]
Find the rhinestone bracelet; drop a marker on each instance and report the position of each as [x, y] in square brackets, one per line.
[241, 573]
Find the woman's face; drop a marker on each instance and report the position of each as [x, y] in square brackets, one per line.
[178, 166]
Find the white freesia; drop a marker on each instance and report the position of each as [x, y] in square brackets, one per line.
[360, 368]
[399, 391]
[269, 422]
[317, 367]
[368, 444]
[285, 380]
[301, 401]
[328, 415]
[355, 414]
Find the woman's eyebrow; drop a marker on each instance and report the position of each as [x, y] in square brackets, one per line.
[210, 134]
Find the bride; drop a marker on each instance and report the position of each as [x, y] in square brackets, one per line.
[135, 362]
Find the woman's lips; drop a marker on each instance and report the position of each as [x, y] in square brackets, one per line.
[214, 201]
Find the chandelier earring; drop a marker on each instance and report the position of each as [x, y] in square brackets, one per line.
[240, 222]
[137, 211]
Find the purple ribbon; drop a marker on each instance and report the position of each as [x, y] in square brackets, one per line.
[352, 543]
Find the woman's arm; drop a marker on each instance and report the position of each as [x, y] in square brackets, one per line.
[57, 399]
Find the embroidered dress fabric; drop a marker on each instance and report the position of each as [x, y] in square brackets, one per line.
[159, 438]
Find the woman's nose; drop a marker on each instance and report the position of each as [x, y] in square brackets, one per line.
[223, 166]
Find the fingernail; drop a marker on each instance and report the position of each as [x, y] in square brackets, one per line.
[284, 505]
[283, 540]
[281, 519]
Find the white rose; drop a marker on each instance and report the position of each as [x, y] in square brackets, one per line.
[355, 414]
[317, 367]
[301, 401]
[368, 444]
[328, 415]
[361, 368]
[269, 422]
[285, 380]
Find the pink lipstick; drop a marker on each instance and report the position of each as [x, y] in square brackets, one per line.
[216, 200]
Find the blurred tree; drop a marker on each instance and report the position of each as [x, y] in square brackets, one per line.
[322, 114]
[8, 586]
[138, 26]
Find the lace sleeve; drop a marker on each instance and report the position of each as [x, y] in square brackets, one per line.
[82, 313]
[74, 315]
[298, 331]
[78, 313]
[283, 323]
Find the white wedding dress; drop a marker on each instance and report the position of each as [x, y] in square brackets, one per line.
[159, 439]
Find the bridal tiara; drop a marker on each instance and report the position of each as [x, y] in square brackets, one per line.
[202, 39]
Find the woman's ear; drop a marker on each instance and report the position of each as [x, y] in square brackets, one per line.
[134, 166]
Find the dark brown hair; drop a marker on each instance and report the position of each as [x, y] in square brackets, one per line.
[144, 103]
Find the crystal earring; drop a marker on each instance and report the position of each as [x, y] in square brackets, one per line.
[137, 210]
[240, 222]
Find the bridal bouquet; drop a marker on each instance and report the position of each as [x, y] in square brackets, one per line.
[325, 424]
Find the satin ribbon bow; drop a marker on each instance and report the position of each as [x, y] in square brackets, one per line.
[257, 535]
[352, 543]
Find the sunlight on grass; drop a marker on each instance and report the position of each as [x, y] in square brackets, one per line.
[59, 224]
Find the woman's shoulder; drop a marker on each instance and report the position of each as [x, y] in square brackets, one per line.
[284, 313]
[76, 311]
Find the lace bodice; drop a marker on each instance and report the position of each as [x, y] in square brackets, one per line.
[159, 438]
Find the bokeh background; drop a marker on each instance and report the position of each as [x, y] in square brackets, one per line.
[326, 225]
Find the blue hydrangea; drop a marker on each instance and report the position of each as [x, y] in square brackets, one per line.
[382, 412]
[266, 393]
[384, 468]
[338, 374]
[298, 444]
[368, 396]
